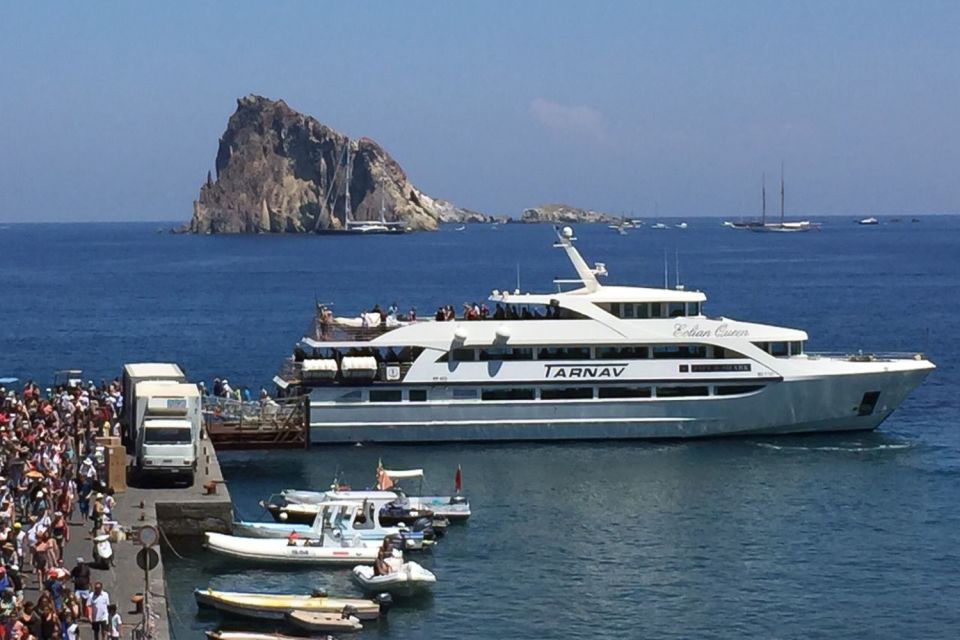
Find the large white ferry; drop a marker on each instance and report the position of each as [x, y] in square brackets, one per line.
[593, 362]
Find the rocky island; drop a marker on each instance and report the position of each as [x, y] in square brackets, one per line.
[565, 214]
[280, 171]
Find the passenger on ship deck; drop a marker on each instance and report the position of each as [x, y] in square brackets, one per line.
[499, 313]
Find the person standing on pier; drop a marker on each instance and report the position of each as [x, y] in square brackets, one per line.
[99, 603]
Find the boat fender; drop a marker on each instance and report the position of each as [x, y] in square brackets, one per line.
[385, 600]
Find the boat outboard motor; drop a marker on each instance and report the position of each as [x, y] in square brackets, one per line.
[385, 600]
[397, 541]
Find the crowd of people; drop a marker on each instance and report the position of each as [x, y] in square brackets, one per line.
[51, 478]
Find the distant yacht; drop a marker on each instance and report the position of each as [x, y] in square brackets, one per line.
[868, 221]
[588, 361]
[362, 227]
[783, 226]
[682, 225]
[659, 225]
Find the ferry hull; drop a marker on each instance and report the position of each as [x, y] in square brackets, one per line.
[816, 404]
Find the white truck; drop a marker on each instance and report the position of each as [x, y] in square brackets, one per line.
[168, 421]
[132, 375]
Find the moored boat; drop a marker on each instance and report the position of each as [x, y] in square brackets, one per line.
[254, 635]
[344, 520]
[408, 579]
[276, 606]
[302, 551]
[320, 622]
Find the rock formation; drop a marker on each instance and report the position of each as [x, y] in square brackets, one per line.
[280, 171]
[565, 214]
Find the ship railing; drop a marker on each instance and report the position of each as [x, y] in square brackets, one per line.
[865, 356]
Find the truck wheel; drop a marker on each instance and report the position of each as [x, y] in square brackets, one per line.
[191, 478]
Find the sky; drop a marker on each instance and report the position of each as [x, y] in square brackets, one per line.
[112, 110]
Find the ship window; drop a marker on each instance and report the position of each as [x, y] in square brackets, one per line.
[417, 395]
[615, 309]
[507, 394]
[779, 349]
[386, 395]
[717, 368]
[566, 393]
[353, 396]
[628, 310]
[693, 308]
[561, 353]
[623, 392]
[681, 392]
[464, 394]
[655, 310]
[679, 351]
[618, 353]
[721, 353]
[505, 353]
[464, 355]
[643, 310]
[736, 389]
[675, 309]
[796, 348]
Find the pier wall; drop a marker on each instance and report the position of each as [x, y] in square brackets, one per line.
[176, 512]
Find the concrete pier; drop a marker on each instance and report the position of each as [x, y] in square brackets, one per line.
[185, 511]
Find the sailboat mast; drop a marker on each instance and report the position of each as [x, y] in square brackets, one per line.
[763, 197]
[346, 204]
[383, 220]
[781, 193]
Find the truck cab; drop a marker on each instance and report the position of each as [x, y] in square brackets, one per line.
[168, 423]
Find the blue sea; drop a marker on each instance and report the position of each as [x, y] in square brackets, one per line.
[845, 536]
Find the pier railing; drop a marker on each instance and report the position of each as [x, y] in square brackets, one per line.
[234, 424]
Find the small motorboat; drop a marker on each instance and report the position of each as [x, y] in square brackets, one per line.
[320, 622]
[408, 579]
[455, 508]
[348, 519]
[267, 606]
[659, 225]
[316, 551]
[868, 221]
[252, 635]
[682, 225]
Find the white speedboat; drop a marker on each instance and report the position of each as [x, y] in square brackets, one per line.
[592, 361]
[868, 221]
[408, 579]
[342, 519]
[323, 622]
[455, 508]
[302, 551]
[659, 225]
[682, 225]
[274, 606]
[250, 635]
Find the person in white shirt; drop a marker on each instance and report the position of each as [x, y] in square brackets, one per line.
[115, 623]
[99, 603]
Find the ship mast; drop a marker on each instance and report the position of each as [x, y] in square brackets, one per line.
[781, 193]
[346, 204]
[763, 198]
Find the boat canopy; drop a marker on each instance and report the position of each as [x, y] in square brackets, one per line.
[401, 474]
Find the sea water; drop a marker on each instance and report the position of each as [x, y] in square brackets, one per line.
[843, 536]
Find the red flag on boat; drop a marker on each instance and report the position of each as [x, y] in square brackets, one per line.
[458, 480]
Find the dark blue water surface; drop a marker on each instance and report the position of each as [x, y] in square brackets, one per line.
[848, 536]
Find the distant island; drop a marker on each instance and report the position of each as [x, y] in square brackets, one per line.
[565, 214]
[280, 171]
